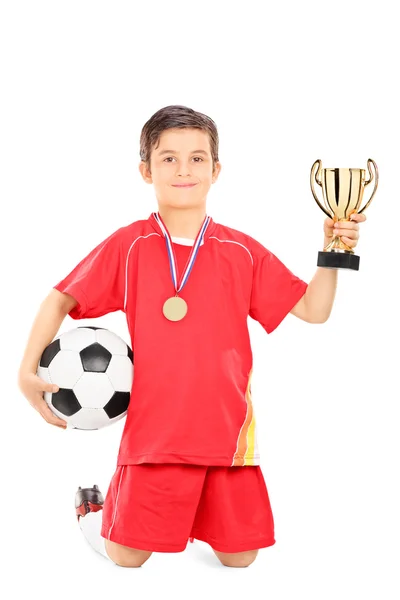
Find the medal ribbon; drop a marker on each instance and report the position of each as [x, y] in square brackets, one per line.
[171, 253]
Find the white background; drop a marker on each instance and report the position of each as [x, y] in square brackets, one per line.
[286, 83]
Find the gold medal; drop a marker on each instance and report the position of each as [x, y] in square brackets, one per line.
[175, 308]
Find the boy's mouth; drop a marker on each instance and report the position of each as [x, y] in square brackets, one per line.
[184, 185]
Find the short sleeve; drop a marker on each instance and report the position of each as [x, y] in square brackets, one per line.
[275, 290]
[97, 282]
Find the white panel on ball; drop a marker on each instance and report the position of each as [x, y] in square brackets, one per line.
[66, 369]
[43, 373]
[77, 339]
[93, 390]
[90, 418]
[111, 341]
[120, 373]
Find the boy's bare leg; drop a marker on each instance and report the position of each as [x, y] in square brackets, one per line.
[124, 556]
[237, 559]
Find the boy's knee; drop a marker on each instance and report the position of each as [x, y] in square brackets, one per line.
[124, 556]
[237, 559]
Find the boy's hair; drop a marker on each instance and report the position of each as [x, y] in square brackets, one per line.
[179, 117]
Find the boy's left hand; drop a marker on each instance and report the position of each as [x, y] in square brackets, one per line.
[348, 231]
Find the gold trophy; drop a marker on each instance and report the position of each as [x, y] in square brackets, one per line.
[342, 191]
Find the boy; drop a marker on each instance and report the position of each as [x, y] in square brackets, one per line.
[188, 462]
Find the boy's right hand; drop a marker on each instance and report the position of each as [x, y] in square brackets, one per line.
[33, 386]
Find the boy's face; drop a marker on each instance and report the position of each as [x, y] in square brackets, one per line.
[183, 156]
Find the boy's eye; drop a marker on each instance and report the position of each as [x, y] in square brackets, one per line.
[173, 157]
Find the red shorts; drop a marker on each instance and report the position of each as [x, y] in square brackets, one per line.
[158, 507]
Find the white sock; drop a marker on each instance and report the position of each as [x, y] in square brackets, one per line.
[90, 524]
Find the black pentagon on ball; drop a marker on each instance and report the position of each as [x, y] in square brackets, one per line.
[66, 402]
[117, 405]
[89, 327]
[49, 353]
[95, 358]
[130, 353]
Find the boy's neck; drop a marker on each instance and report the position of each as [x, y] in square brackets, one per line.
[183, 223]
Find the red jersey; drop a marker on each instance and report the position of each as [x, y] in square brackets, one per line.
[191, 394]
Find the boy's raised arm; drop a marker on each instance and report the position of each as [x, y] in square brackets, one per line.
[316, 304]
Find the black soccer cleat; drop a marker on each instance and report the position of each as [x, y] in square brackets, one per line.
[88, 500]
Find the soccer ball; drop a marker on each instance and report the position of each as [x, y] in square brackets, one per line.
[93, 367]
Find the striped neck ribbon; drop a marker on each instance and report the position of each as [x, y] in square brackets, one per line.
[171, 253]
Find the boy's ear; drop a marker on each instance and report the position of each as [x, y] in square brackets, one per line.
[145, 173]
[217, 170]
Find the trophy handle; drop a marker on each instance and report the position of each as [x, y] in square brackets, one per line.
[371, 177]
[317, 179]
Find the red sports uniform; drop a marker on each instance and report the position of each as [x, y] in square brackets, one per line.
[191, 394]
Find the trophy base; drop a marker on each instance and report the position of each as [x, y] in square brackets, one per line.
[338, 260]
